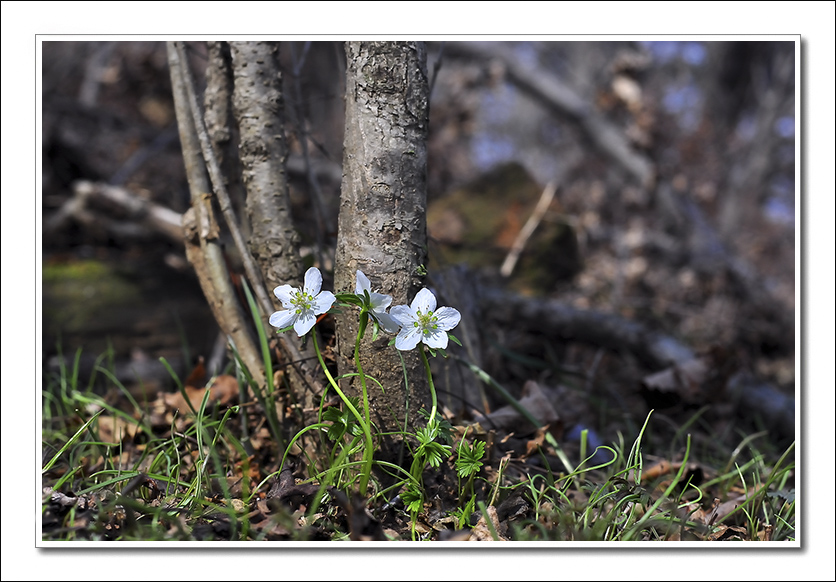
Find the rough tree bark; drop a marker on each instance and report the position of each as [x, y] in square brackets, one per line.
[274, 241]
[258, 107]
[220, 124]
[382, 219]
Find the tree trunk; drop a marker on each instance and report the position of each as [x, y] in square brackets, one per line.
[382, 219]
[258, 106]
[274, 241]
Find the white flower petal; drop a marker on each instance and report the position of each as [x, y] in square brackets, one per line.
[386, 321]
[403, 314]
[363, 283]
[282, 319]
[323, 302]
[284, 293]
[313, 281]
[408, 338]
[424, 301]
[436, 339]
[305, 322]
[380, 301]
[448, 318]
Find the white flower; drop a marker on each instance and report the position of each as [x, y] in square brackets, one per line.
[421, 321]
[379, 303]
[302, 305]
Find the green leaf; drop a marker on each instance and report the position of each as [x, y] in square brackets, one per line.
[412, 498]
[469, 459]
[342, 421]
[441, 427]
[462, 514]
[349, 298]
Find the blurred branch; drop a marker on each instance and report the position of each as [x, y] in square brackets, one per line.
[324, 217]
[610, 331]
[547, 89]
[709, 255]
[528, 229]
[436, 68]
[98, 204]
[749, 173]
[654, 349]
[144, 219]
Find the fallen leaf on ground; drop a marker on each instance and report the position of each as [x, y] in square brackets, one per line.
[481, 532]
[223, 390]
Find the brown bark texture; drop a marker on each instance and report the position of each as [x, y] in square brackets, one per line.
[274, 241]
[258, 107]
[220, 123]
[382, 219]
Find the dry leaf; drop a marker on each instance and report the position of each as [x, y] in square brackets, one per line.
[223, 390]
[482, 533]
[534, 400]
[113, 429]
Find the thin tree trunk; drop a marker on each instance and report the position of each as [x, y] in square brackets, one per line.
[258, 107]
[220, 124]
[382, 220]
[274, 241]
[203, 248]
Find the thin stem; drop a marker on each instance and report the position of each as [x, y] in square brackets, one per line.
[367, 453]
[430, 379]
[364, 321]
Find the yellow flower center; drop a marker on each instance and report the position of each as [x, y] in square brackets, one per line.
[302, 301]
[426, 321]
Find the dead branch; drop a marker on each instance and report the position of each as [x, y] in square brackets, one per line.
[201, 231]
[527, 230]
[553, 318]
[654, 349]
[553, 94]
[141, 218]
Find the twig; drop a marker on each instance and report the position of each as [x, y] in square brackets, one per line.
[436, 68]
[152, 216]
[528, 229]
[201, 230]
[138, 159]
[224, 202]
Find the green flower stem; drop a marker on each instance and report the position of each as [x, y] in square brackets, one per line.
[364, 321]
[432, 386]
[364, 477]
[369, 451]
[418, 462]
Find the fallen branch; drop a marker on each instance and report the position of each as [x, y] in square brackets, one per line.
[553, 318]
[654, 349]
[547, 89]
[142, 218]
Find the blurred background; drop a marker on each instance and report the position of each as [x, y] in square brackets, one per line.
[673, 165]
